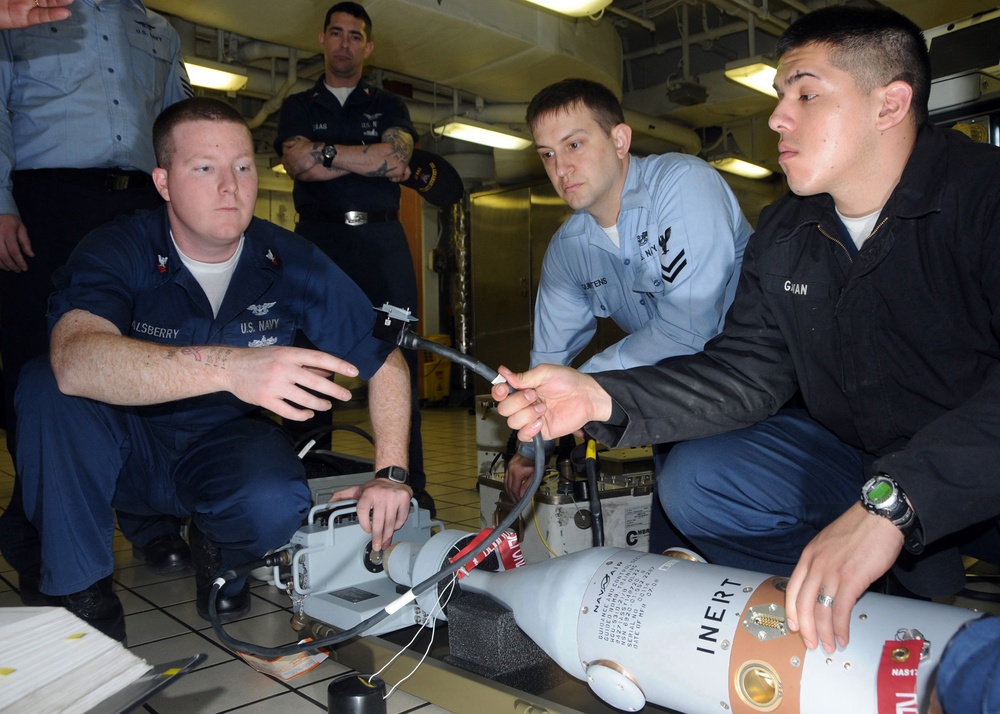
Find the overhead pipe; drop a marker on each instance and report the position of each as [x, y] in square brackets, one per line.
[274, 103]
[749, 7]
[685, 45]
[663, 47]
[635, 19]
[796, 5]
[258, 50]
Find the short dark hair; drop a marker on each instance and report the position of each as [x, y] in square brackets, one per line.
[184, 111]
[875, 46]
[569, 93]
[353, 9]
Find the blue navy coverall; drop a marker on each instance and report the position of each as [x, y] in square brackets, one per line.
[208, 457]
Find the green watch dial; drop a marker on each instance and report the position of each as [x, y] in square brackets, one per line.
[880, 493]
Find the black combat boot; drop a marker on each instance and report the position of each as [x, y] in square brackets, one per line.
[207, 559]
[99, 607]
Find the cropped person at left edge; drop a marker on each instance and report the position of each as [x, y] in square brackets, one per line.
[170, 328]
[80, 97]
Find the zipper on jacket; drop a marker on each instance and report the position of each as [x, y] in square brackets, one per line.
[837, 242]
[875, 230]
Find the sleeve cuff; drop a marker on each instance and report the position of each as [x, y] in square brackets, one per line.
[618, 416]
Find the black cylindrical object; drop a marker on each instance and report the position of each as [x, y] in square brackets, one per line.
[356, 694]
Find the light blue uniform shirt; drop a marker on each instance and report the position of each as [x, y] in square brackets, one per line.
[84, 92]
[668, 284]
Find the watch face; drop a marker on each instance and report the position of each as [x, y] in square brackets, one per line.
[396, 474]
[880, 492]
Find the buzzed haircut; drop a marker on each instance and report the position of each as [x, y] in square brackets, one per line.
[876, 46]
[354, 10]
[189, 110]
[569, 93]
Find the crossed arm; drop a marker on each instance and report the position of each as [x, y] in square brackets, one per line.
[389, 158]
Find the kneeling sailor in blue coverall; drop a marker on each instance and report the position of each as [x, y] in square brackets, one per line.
[170, 330]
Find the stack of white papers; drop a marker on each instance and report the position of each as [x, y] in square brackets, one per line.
[52, 661]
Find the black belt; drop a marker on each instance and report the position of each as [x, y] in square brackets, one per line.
[109, 179]
[350, 218]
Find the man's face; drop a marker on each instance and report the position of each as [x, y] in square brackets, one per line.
[345, 45]
[825, 122]
[585, 165]
[210, 188]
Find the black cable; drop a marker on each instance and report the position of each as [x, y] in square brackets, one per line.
[411, 341]
[329, 429]
[596, 511]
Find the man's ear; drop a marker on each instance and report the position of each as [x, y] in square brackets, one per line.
[621, 135]
[160, 181]
[896, 99]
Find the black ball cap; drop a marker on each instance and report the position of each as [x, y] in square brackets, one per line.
[434, 179]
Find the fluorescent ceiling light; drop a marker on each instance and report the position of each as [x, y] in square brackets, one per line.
[215, 75]
[756, 73]
[479, 132]
[740, 167]
[575, 8]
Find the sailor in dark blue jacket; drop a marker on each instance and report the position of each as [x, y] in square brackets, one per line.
[873, 289]
[171, 330]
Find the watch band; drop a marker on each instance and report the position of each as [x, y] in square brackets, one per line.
[882, 496]
[329, 154]
[396, 474]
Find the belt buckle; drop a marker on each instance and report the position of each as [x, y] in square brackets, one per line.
[355, 218]
[117, 182]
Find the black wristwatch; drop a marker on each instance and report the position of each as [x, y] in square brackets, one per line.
[329, 153]
[882, 496]
[396, 474]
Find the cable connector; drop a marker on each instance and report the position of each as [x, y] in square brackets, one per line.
[393, 324]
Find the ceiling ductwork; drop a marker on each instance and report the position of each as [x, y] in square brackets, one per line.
[503, 51]
[472, 46]
[487, 58]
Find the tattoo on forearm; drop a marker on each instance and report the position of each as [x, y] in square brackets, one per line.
[382, 170]
[400, 142]
[217, 357]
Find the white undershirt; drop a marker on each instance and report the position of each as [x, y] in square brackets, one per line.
[860, 228]
[212, 277]
[612, 233]
[341, 93]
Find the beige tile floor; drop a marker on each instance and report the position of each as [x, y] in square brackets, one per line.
[163, 625]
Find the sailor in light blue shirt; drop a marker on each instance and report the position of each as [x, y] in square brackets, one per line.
[655, 244]
[83, 92]
[667, 283]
